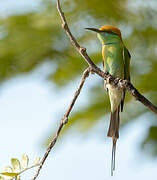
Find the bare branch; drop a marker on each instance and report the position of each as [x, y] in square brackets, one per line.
[92, 68]
[81, 50]
[134, 92]
[119, 83]
[64, 121]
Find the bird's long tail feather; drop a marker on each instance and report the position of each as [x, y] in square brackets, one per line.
[114, 133]
[113, 156]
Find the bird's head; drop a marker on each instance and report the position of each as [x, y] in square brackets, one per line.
[107, 33]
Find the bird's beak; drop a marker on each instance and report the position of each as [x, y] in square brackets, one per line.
[94, 29]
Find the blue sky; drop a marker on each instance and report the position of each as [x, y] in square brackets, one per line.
[13, 6]
[29, 108]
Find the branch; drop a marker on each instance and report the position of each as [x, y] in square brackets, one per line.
[119, 83]
[93, 68]
[64, 121]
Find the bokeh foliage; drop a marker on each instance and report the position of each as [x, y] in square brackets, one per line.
[28, 40]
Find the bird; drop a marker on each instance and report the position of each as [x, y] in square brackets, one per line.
[116, 61]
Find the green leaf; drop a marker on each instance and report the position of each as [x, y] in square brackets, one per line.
[10, 174]
[24, 161]
[36, 161]
[16, 165]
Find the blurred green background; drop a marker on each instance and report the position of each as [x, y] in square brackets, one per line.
[30, 39]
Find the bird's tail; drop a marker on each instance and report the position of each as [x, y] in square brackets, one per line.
[114, 133]
[114, 124]
[113, 155]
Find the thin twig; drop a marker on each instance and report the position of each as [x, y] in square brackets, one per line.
[35, 165]
[64, 121]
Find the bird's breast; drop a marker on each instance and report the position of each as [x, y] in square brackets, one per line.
[113, 59]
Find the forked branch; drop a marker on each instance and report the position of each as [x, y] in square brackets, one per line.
[124, 84]
[109, 79]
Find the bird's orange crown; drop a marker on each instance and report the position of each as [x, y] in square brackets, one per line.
[111, 29]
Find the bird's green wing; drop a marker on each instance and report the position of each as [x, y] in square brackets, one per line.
[126, 58]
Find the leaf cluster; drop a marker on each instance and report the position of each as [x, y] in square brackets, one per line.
[17, 167]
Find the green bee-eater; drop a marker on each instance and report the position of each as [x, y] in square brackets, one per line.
[116, 61]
